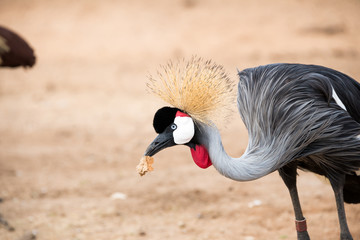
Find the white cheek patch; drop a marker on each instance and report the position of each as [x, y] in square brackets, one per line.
[185, 130]
[337, 99]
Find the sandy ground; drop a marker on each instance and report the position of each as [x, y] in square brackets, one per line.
[73, 128]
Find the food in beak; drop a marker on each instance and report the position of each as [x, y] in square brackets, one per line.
[145, 165]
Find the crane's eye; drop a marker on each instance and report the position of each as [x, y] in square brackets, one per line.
[173, 126]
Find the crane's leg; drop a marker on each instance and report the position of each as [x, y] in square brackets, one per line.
[288, 174]
[338, 186]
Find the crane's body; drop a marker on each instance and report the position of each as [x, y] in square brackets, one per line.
[291, 113]
[297, 116]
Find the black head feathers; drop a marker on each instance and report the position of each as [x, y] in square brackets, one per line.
[163, 118]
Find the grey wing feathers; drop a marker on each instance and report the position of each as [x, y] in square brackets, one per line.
[289, 109]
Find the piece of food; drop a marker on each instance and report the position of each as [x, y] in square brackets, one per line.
[145, 165]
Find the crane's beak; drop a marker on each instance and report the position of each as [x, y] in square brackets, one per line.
[162, 141]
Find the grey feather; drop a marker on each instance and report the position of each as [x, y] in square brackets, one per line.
[290, 115]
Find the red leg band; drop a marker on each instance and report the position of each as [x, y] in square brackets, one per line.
[301, 225]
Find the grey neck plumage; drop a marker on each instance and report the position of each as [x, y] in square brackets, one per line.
[250, 166]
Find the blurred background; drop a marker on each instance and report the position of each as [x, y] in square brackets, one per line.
[73, 127]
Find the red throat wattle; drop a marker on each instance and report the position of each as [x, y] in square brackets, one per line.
[201, 156]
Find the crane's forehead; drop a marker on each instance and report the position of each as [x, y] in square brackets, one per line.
[163, 118]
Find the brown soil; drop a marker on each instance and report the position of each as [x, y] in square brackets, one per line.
[74, 127]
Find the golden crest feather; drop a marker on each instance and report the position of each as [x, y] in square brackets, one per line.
[200, 88]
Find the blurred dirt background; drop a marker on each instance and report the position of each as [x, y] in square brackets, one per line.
[73, 128]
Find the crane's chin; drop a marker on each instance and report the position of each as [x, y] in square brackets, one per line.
[162, 141]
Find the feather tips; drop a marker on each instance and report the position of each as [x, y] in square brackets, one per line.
[200, 88]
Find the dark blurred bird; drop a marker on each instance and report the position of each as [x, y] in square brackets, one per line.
[297, 116]
[14, 50]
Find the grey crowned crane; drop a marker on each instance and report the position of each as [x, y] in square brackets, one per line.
[298, 117]
[14, 50]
